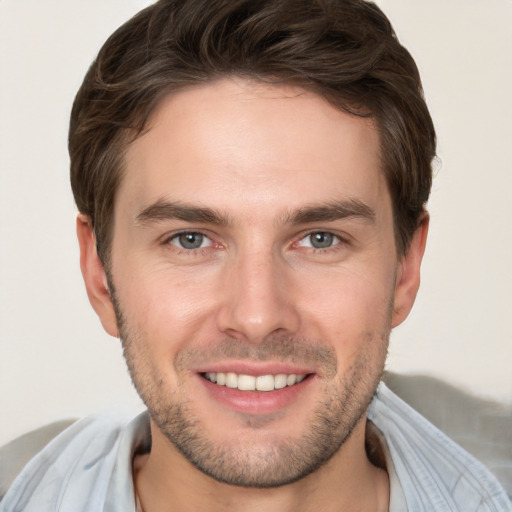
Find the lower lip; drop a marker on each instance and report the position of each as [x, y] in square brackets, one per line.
[255, 402]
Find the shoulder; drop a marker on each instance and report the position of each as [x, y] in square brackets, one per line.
[65, 458]
[422, 453]
[482, 427]
[16, 454]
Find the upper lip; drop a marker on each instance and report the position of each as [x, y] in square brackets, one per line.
[255, 368]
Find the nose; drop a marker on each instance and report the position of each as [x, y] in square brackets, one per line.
[258, 299]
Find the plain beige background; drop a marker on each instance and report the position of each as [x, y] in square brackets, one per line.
[55, 360]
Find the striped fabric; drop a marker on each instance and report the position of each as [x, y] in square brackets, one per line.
[88, 467]
[433, 472]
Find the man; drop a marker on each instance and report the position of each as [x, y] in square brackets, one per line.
[251, 178]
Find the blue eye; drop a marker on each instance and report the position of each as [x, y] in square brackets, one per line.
[190, 240]
[320, 240]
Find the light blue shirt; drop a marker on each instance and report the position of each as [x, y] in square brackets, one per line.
[88, 467]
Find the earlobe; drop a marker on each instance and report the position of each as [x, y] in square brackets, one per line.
[408, 276]
[94, 275]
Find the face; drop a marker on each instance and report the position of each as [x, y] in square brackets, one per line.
[255, 277]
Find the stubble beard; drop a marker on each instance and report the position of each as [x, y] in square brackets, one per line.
[280, 462]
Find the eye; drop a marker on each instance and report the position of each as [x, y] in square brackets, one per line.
[190, 240]
[320, 240]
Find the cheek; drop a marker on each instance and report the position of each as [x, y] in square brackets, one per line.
[347, 308]
[165, 307]
[163, 316]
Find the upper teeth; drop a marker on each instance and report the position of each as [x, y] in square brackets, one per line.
[251, 383]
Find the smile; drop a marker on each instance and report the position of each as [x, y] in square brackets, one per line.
[254, 383]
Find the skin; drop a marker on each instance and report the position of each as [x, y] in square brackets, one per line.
[269, 163]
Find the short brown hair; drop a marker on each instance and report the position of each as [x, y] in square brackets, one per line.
[344, 50]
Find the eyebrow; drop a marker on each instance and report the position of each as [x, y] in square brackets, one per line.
[163, 210]
[332, 211]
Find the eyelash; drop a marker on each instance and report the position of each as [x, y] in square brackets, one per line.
[167, 241]
[341, 241]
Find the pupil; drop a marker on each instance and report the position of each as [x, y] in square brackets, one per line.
[191, 240]
[321, 240]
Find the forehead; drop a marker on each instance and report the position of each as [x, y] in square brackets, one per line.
[237, 143]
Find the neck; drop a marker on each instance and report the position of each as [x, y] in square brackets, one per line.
[348, 482]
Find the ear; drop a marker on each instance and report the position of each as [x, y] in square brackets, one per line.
[408, 275]
[94, 276]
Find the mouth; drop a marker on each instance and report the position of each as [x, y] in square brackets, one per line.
[254, 382]
[256, 389]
